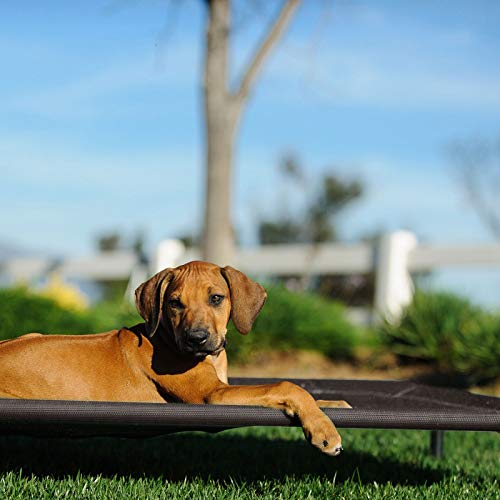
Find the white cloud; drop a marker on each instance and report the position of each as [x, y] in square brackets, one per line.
[58, 196]
[447, 68]
[50, 163]
[92, 94]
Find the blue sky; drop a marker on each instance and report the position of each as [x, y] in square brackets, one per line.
[100, 126]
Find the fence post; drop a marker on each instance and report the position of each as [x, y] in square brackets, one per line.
[393, 284]
[168, 253]
[139, 274]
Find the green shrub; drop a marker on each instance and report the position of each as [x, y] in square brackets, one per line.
[112, 315]
[457, 337]
[297, 321]
[23, 312]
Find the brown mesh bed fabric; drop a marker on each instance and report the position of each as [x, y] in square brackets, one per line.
[376, 404]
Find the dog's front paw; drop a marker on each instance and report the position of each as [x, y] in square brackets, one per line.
[322, 434]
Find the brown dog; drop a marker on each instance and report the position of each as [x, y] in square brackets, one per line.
[176, 355]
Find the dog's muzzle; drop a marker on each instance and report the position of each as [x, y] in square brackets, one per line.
[199, 342]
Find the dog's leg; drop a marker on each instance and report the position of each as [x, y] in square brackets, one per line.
[324, 403]
[220, 364]
[293, 400]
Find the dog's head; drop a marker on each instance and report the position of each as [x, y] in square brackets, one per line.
[194, 303]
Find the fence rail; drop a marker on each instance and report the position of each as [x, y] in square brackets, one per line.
[307, 259]
[429, 257]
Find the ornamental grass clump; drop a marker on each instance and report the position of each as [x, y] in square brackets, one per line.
[447, 331]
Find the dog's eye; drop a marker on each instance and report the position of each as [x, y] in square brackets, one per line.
[215, 300]
[175, 303]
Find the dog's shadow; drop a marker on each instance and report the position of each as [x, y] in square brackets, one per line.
[198, 455]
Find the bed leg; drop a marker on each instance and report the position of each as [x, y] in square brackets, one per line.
[437, 443]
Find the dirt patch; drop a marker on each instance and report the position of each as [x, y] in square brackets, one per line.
[310, 364]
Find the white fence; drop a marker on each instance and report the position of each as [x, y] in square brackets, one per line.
[393, 259]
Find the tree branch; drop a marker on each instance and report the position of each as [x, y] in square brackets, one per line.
[276, 30]
[475, 164]
[479, 201]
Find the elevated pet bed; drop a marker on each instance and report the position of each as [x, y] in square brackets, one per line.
[375, 404]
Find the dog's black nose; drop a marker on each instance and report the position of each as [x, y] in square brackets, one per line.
[197, 337]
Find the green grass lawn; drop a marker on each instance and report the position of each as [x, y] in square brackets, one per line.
[251, 463]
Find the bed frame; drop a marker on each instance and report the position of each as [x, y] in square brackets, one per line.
[375, 404]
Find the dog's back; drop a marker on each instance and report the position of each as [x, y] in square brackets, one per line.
[85, 367]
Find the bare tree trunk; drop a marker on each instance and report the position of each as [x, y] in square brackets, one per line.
[222, 112]
[217, 231]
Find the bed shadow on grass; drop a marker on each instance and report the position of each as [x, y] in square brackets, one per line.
[202, 456]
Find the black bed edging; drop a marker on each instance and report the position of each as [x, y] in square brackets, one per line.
[376, 404]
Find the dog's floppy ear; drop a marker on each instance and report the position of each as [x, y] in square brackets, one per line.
[247, 298]
[149, 299]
